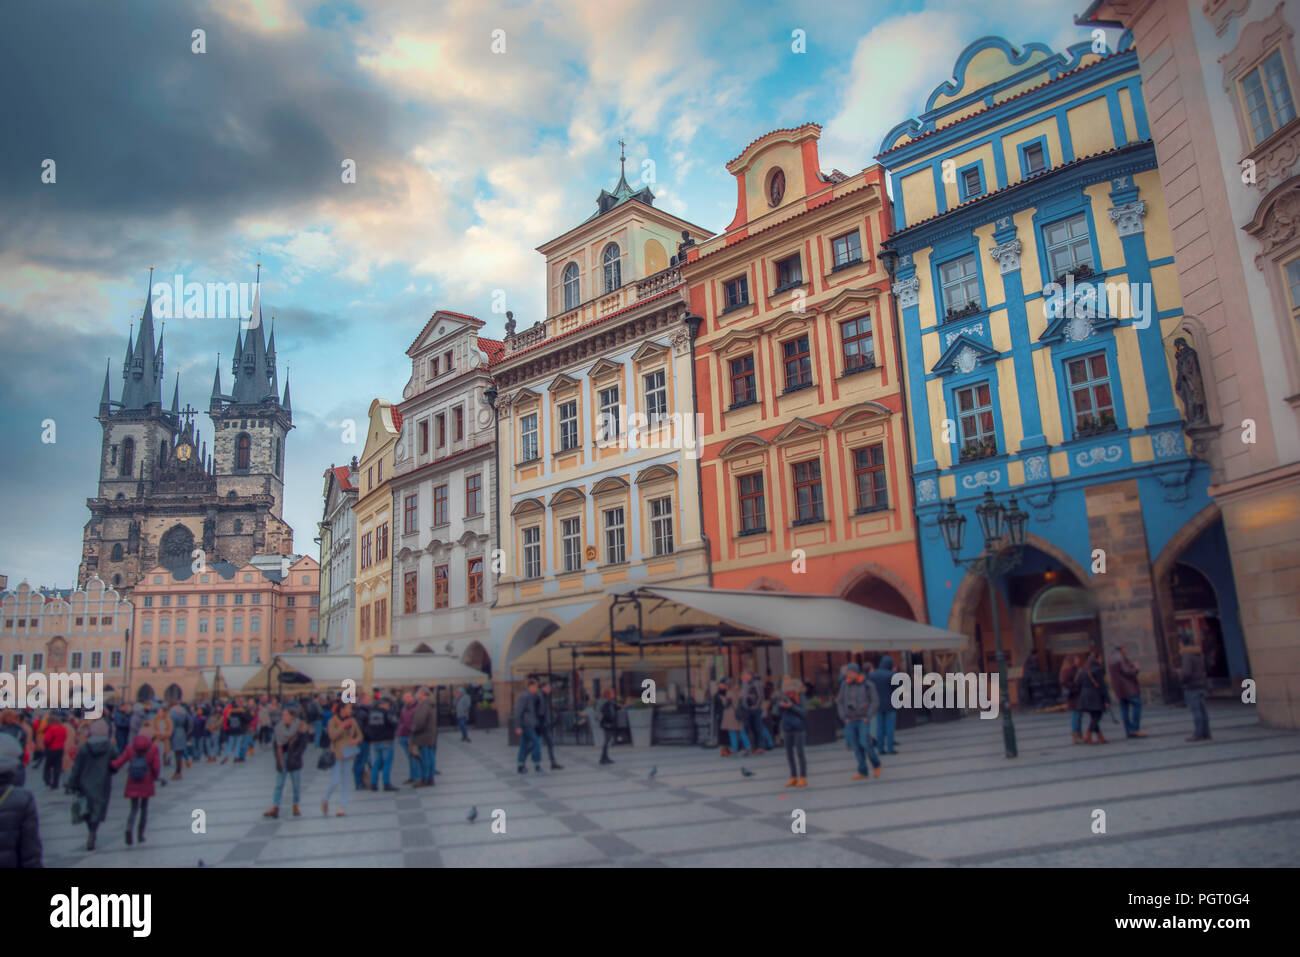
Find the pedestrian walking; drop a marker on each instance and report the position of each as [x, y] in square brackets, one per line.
[312, 713]
[1093, 696]
[380, 729]
[424, 738]
[20, 831]
[345, 741]
[11, 727]
[91, 777]
[266, 723]
[751, 700]
[237, 721]
[858, 702]
[882, 677]
[545, 720]
[180, 725]
[526, 718]
[793, 733]
[289, 739]
[719, 706]
[361, 763]
[122, 726]
[1192, 671]
[462, 712]
[144, 767]
[733, 721]
[1128, 691]
[608, 724]
[1069, 672]
[56, 739]
[405, 718]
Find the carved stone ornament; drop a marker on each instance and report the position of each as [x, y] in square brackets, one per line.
[681, 341]
[1127, 217]
[965, 360]
[908, 291]
[1007, 255]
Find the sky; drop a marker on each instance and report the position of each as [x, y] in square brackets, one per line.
[466, 159]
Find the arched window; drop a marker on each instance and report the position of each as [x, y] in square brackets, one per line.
[128, 457]
[572, 289]
[243, 452]
[277, 456]
[117, 553]
[613, 267]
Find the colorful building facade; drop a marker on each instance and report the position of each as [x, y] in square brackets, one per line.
[1041, 328]
[338, 611]
[221, 616]
[1225, 129]
[596, 448]
[372, 575]
[805, 479]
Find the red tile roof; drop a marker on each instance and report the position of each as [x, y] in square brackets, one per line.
[494, 348]
[998, 105]
[788, 129]
[342, 476]
[397, 417]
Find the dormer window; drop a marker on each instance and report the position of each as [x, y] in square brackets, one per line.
[611, 263]
[572, 287]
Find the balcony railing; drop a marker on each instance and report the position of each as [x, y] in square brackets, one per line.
[663, 280]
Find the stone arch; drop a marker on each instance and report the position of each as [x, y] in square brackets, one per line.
[864, 572]
[476, 656]
[526, 634]
[145, 693]
[1160, 576]
[971, 591]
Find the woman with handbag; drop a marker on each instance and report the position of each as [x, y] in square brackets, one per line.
[345, 744]
[733, 720]
[1093, 696]
[91, 779]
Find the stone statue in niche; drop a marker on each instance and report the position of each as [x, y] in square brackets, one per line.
[1189, 385]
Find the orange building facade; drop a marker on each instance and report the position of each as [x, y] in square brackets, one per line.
[804, 468]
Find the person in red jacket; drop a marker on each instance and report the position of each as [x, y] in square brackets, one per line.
[56, 739]
[144, 766]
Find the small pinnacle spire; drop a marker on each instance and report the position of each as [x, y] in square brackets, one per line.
[176, 394]
[104, 397]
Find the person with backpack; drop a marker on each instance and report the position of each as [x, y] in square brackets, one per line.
[381, 726]
[290, 739]
[91, 777]
[180, 725]
[857, 703]
[1093, 696]
[424, 738]
[20, 831]
[143, 767]
[608, 722]
[345, 740]
[56, 739]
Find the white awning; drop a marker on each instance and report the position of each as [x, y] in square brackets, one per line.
[422, 669]
[232, 678]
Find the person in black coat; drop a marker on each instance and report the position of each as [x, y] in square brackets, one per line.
[20, 834]
[1093, 696]
[91, 775]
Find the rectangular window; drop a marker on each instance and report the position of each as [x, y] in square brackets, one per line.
[869, 476]
[180, 603]
[96, 660]
[434, 369]
[289, 624]
[446, 361]
[753, 508]
[162, 657]
[473, 495]
[237, 655]
[661, 525]
[254, 623]
[1035, 160]
[960, 284]
[202, 656]
[441, 586]
[475, 592]
[656, 397]
[1091, 402]
[144, 658]
[365, 623]
[74, 661]
[789, 273]
[441, 419]
[203, 626]
[203, 600]
[115, 660]
[528, 449]
[366, 550]
[17, 659]
[1068, 247]
[148, 600]
[380, 466]
[571, 543]
[164, 626]
[441, 505]
[221, 599]
[737, 292]
[257, 599]
[145, 629]
[847, 250]
[743, 390]
[1267, 91]
[180, 658]
[409, 593]
[568, 425]
[424, 437]
[410, 513]
[239, 599]
[180, 626]
[859, 347]
[609, 416]
[218, 657]
[383, 547]
[313, 625]
[533, 552]
[254, 655]
[166, 601]
[1293, 284]
[975, 420]
[221, 626]
[808, 492]
[459, 415]
[971, 183]
[615, 540]
[798, 364]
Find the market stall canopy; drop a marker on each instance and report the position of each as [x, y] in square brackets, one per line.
[325, 672]
[422, 669]
[230, 679]
[705, 616]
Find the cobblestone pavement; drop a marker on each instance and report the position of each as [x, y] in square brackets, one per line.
[948, 798]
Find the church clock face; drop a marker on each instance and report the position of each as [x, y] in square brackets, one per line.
[184, 451]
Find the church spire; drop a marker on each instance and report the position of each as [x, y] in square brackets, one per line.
[104, 397]
[176, 394]
[144, 378]
[216, 384]
[285, 402]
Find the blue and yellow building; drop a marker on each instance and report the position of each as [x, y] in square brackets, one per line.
[1040, 310]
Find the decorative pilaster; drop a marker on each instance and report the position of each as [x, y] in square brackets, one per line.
[1007, 256]
[1128, 217]
[908, 291]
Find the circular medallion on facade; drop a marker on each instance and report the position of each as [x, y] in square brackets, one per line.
[776, 187]
[184, 451]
